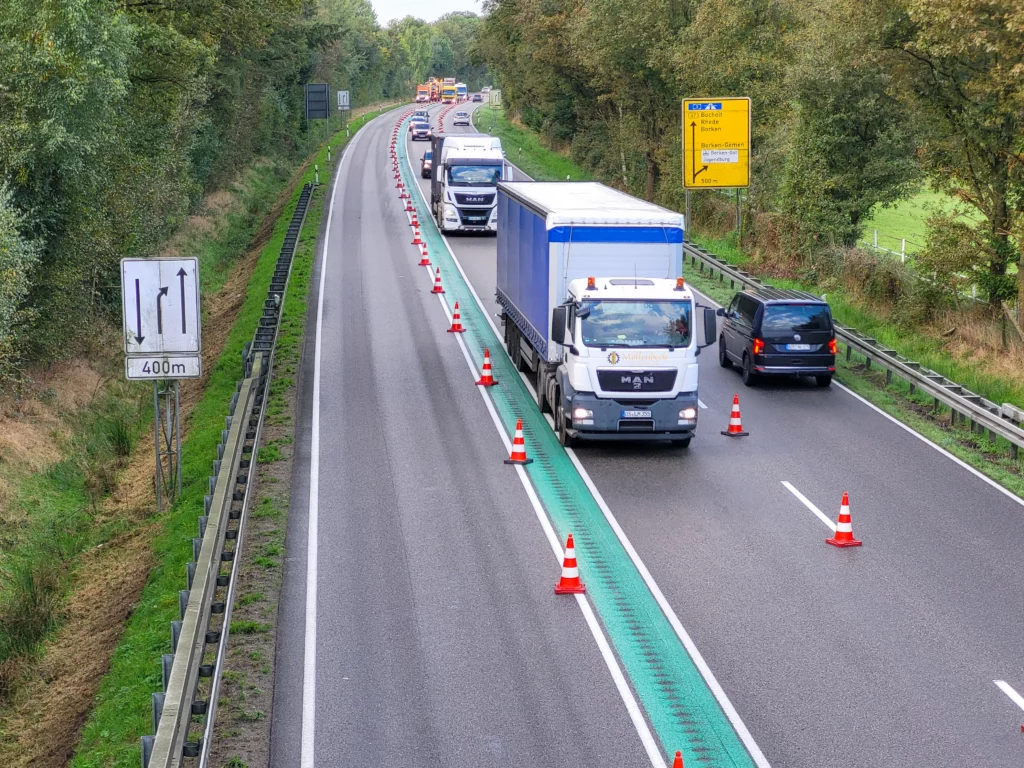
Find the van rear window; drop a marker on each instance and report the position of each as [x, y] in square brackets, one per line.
[795, 318]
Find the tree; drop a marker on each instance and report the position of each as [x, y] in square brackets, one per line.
[962, 67]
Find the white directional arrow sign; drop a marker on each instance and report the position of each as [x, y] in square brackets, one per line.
[160, 306]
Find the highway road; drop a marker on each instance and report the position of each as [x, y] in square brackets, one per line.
[418, 625]
[884, 655]
[417, 573]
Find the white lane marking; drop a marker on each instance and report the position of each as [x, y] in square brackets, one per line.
[700, 404]
[684, 637]
[636, 716]
[309, 651]
[956, 460]
[1015, 697]
[809, 504]
[625, 692]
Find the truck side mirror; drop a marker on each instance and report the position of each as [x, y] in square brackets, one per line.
[558, 315]
[710, 326]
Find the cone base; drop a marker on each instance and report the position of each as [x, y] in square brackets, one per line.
[570, 589]
[456, 330]
[435, 290]
[846, 543]
[424, 263]
[519, 461]
[734, 434]
[490, 383]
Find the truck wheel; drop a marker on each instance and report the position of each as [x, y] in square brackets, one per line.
[723, 356]
[540, 382]
[749, 378]
[562, 427]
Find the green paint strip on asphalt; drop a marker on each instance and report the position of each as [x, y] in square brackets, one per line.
[679, 705]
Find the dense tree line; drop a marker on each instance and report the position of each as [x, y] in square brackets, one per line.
[117, 115]
[856, 103]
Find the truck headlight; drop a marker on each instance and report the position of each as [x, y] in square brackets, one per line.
[494, 214]
[450, 213]
[582, 413]
[688, 414]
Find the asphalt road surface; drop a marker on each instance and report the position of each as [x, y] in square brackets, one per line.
[436, 638]
[886, 655]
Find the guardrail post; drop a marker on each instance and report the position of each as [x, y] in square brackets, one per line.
[147, 750]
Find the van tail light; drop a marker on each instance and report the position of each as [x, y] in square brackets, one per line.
[758, 346]
[833, 347]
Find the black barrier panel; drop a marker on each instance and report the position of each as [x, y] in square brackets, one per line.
[318, 102]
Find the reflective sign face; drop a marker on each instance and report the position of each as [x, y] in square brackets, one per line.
[160, 306]
[716, 143]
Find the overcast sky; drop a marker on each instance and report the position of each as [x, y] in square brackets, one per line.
[428, 10]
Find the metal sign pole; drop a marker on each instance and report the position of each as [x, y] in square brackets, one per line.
[177, 431]
[158, 477]
[686, 218]
[739, 219]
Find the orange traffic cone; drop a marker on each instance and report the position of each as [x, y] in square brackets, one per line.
[518, 447]
[424, 261]
[570, 583]
[416, 237]
[678, 762]
[437, 282]
[399, 185]
[415, 222]
[409, 208]
[456, 321]
[844, 528]
[735, 427]
[486, 378]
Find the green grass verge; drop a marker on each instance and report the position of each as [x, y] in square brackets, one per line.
[524, 148]
[123, 713]
[895, 399]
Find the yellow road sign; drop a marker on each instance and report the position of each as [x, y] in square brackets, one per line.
[716, 143]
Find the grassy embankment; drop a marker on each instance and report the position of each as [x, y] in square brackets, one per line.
[914, 410]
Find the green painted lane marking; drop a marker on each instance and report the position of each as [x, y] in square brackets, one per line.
[680, 707]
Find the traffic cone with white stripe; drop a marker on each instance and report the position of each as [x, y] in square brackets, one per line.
[844, 527]
[735, 426]
[424, 261]
[678, 762]
[486, 377]
[456, 321]
[416, 236]
[570, 583]
[437, 282]
[518, 447]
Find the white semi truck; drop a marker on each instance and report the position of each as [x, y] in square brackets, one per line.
[596, 310]
[464, 180]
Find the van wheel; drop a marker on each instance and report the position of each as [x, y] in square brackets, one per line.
[723, 356]
[562, 427]
[749, 378]
[823, 381]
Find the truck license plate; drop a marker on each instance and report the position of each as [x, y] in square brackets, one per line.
[636, 414]
[798, 347]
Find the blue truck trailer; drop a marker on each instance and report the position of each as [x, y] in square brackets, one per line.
[596, 310]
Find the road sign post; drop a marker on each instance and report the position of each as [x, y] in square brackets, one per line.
[162, 344]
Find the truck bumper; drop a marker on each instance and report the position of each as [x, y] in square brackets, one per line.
[609, 423]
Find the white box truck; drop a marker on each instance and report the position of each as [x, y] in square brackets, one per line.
[596, 309]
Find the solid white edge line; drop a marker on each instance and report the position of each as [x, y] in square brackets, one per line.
[307, 753]
[1015, 697]
[807, 503]
[709, 678]
[636, 716]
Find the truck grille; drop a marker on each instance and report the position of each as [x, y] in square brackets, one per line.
[464, 199]
[621, 380]
[475, 216]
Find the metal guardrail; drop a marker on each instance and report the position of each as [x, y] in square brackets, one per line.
[184, 713]
[999, 420]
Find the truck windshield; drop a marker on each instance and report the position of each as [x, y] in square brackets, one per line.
[474, 175]
[636, 323]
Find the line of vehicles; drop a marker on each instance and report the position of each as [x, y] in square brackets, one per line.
[595, 307]
[442, 90]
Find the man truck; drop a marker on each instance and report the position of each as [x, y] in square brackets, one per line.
[464, 179]
[596, 310]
